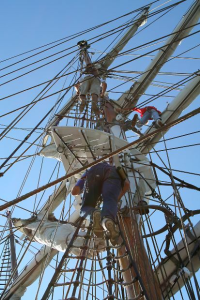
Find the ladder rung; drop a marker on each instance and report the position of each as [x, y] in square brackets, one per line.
[5, 271]
[2, 279]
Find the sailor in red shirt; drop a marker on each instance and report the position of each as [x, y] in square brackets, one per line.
[146, 113]
[141, 111]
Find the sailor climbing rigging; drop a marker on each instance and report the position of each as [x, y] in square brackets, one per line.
[90, 80]
[146, 113]
[101, 179]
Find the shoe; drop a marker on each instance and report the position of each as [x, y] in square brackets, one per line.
[145, 210]
[97, 228]
[95, 109]
[82, 105]
[109, 225]
[159, 123]
[134, 120]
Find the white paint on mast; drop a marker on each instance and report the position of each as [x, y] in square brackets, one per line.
[110, 57]
[180, 32]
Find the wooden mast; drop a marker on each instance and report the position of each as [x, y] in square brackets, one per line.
[134, 241]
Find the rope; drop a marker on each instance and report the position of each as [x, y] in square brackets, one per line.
[181, 119]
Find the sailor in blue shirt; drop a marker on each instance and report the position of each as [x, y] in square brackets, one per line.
[101, 179]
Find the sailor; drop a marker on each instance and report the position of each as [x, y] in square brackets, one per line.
[102, 179]
[91, 82]
[113, 118]
[147, 113]
[108, 111]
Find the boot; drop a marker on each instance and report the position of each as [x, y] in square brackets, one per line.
[134, 120]
[97, 228]
[109, 225]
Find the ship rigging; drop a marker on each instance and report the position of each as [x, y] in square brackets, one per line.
[46, 242]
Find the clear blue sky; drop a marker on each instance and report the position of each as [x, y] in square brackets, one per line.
[26, 25]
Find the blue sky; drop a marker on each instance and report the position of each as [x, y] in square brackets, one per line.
[30, 24]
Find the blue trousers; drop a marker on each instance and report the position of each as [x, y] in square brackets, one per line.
[148, 115]
[104, 180]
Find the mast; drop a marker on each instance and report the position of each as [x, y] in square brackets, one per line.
[108, 59]
[130, 222]
[179, 33]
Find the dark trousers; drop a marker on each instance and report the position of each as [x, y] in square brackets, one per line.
[104, 180]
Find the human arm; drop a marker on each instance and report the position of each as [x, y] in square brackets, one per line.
[78, 188]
